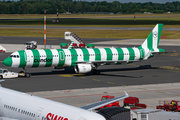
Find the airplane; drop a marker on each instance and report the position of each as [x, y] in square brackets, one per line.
[16, 105]
[85, 60]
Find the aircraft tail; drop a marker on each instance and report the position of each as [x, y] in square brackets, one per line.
[152, 41]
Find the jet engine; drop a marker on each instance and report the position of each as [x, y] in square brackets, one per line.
[83, 68]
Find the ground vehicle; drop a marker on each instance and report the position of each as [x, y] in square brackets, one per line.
[4, 73]
[129, 102]
[115, 104]
[172, 105]
[31, 45]
[133, 103]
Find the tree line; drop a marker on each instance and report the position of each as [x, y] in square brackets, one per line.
[37, 7]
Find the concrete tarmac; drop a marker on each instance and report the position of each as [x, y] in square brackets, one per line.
[147, 94]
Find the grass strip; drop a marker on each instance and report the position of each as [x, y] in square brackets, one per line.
[22, 16]
[129, 34]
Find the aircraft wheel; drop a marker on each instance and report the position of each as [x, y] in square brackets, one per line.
[1, 77]
[96, 72]
[27, 75]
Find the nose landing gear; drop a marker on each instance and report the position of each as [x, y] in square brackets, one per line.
[24, 73]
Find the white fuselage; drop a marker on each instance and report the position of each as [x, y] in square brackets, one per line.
[21, 106]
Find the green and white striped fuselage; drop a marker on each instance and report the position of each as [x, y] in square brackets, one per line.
[84, 59]
[71, 57]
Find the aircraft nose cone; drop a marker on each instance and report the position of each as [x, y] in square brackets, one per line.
[8, 61]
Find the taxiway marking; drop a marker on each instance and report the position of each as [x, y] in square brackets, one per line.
[142, 88]
[68, 75]
[110, 82]
[160, 92]
[170, 68]
[96, 80]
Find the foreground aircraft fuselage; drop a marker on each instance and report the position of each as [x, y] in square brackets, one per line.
[84, 59]
[16, 105]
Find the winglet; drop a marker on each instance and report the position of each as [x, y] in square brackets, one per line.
[126, 93]
[99, 104]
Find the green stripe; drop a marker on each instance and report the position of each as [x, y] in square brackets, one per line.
[142, 52]
[36, 57]
[131, 54]
[23, 58]
[85, 54]
[97, 54]
[62, 57]
[73, 57]
[160, 27]
[120, 54]
[49, 58]
[150, 41]
[109, 53]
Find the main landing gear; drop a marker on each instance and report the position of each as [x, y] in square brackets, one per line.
[24, 73]
[96, 72]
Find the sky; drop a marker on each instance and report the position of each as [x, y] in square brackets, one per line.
[124, 1]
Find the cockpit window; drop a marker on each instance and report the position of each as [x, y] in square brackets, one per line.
[0, 71]
[14, 56]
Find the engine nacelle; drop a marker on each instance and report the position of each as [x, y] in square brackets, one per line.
[83, 68]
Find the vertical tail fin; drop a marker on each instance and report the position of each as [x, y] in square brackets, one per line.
[152, 41]
[70, 46]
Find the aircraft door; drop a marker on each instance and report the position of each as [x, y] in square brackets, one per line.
[141, 53]
[1, 103]
[61, 54]
[38, 115]
[27, 56]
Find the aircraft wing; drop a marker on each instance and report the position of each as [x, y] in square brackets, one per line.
[96, 105]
